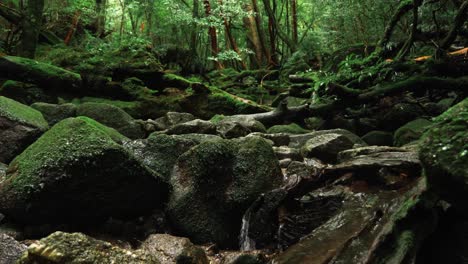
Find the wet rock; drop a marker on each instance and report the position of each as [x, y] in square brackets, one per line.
[243, 257]
[196, 126]
[410, 132]
[171, 119]
[353, 153]
[78, 172]
[278, 140]
[383, 227]
[64, 248]
[297, 141]
[444, 154]
[232, 129]
[237, 125]
[3, 168]
[170, 249]
[304, 169]
[284, 163]
[20, 125]
[215, 182]
[160, 152]
[285, 152]
[55, 113]
[10, 249]
[398, 115]
[287, 129]
[389, 169]
[378, 138]
[112, 116]
[326, 147]
[314, 123]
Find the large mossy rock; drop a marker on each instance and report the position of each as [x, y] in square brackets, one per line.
[170, 249]
[20, 125]
[289, 129]
[215, 182]
[411, 131]
[55, 113]
[444, 154]
[160, 151]
[112, 116]
[78, 172]
[77, 248]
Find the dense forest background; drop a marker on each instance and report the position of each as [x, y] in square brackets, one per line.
[233, 131]
[197, 35]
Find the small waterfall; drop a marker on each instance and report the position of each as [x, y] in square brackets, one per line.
[246, 243]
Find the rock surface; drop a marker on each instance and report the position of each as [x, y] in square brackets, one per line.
[410, 132]
[10, 249]
[444, 154]
[170, 249]
[55, 113]
[326, 147]
[20, 125]
[78, 172]
[112, 116]
[74, 248]
[215, 182]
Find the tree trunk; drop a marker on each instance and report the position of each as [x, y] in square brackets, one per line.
[292, 47]
[261, 34]
[31, 26]
[101, 6]
[404, 8]
[213, 35]
[230, 37]
[414, 30]
[253, 37]
[294, 21]
[460, 19]
[272, 33]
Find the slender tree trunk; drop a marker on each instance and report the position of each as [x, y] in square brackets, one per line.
[460, 19]
[404, 8]
[274, 22]
[414, 30]
[253, 36]
[260, 31]
[272, 33]
[71, 31]
[31, 26]
[213, 35]
[101, 6]
[194, 33]
[295, 35]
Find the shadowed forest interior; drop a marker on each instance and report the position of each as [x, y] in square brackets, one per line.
[233, 131]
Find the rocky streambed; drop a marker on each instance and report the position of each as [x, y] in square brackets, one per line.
[93, 185]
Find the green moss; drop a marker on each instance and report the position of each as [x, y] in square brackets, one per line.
[70, 139]
[21, 113]
[290, 129]
[77, 248]
[217, 118]
[133, 108]
[411, 131]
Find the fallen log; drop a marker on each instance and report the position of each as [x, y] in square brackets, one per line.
[45, 75]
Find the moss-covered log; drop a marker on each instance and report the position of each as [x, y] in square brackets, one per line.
[45, 75]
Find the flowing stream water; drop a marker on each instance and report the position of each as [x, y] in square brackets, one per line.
[246, 243]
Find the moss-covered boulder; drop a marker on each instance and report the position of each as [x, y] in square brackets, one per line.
[25, 93]
[444, 154]
[20, 125]
[378, 138]
[171, 249]
[75, 248]
[55, 113]
[290, 129]
[160, 152]
[78, 172]
[411, 131]
[112, 116]
[215, 182]
[398, 115]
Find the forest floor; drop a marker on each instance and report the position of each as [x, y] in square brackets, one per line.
[110, 157]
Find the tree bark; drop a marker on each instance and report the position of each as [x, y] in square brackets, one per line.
[31, 26]
[101, 6]
[414, 30]
[261, 34]
[213, 35]
[460, 19]
[295, 35]
[274, 22]
[231, 39]
[253, 36]
[404, 8]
